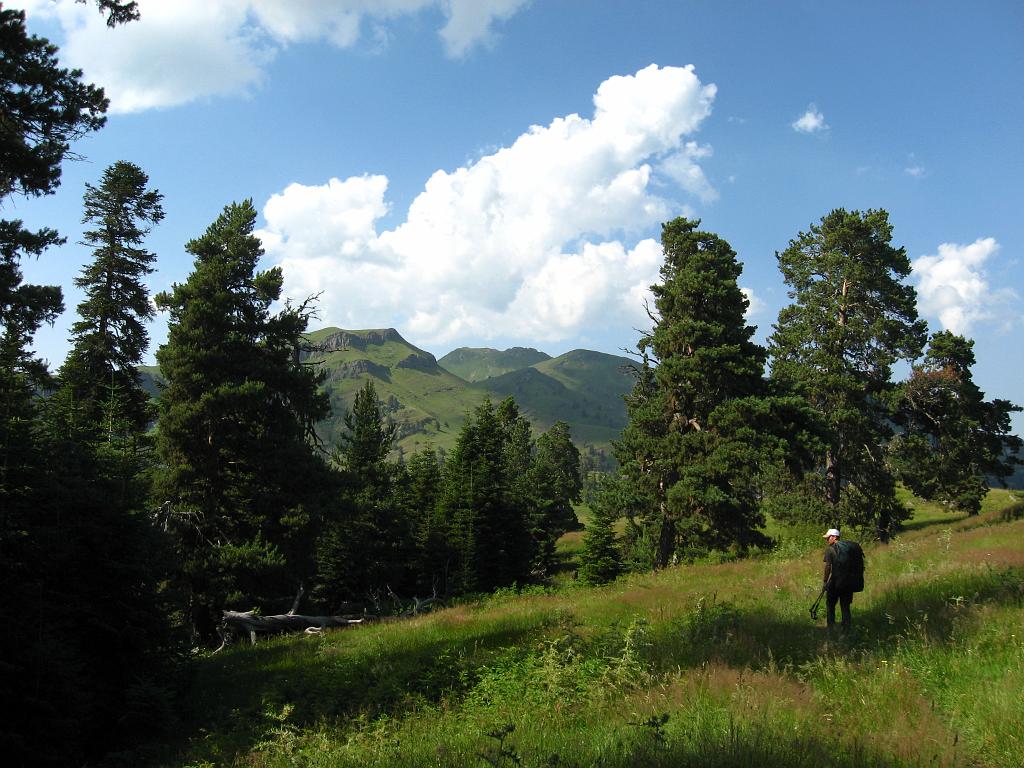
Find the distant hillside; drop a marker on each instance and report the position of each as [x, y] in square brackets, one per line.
[426, 402]
[152, 380]
[1016, 480]
[478, 363]
[582, 387]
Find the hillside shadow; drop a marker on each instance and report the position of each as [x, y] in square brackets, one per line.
[963, 521]
[1012, 513]
[656, 744]
[235, 699]
[953, 518]
[754, 638]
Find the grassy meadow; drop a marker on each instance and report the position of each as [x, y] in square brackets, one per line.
[706, 664]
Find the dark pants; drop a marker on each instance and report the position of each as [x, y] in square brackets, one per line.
[844, 599]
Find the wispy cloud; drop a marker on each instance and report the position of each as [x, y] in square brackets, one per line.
[811, 121]
[914, 168]
[683, 168]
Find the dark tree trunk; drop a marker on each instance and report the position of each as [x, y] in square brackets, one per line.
[666, 540]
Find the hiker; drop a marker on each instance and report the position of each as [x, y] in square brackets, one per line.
[844, 575]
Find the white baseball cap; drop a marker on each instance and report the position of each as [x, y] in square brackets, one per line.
[831, 532]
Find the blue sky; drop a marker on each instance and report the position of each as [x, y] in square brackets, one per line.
[494, 172]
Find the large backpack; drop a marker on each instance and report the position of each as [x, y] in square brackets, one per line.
[848, 567]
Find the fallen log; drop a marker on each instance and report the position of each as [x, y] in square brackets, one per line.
[251, 623]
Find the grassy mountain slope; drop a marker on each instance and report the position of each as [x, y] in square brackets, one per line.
[426, 402]
[152, 379]
[478, 363]
[581, 387]
[709, 664]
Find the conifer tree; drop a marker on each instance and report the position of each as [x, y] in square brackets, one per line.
[953, 440]
[686, 450]
[239, 472]
[44, 109]
[423, 478]
[601, 560]
[367, 543]
[421, 491]
[557, 485]
[852, 318]
[522, 498]
[100, 379]
[487, 530]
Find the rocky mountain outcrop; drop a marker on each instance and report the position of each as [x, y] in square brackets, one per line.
[419, 361]
[356, 369]
[343, 340]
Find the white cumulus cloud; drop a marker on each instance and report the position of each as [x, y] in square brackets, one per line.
[184, 50]
[952, 286]
[811, 121]
[530, 241]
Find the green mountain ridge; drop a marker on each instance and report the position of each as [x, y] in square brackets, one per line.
[582, 387]
[475, 364]
[428, 402]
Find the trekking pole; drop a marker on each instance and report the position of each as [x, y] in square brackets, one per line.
[814, 608]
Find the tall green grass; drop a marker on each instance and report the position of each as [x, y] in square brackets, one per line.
[705, 664]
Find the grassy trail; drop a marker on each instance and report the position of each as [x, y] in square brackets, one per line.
[704, 665]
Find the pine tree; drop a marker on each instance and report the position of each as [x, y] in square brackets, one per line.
[601, 560]
[681, 450]
[523, 500]
[852, 318]
[44, 109]
[557, 485]
[239, 471]
[367, 544]
[420, 493]
[952, 439]
[100, 379]
[481, 512]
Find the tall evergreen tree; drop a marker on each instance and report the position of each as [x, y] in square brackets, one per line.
[522, 502]
[555, 479]
[239, 471]
[682, 449]
[420, 493]
[100, 379]
[852, 318]
[44, 109]
[367, 543]
[953, 440]
[486, 529]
